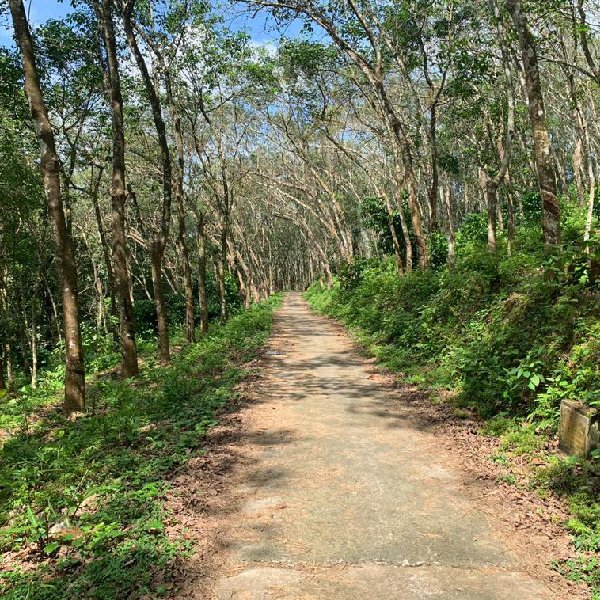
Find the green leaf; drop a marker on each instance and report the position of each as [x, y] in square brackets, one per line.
[51, 547]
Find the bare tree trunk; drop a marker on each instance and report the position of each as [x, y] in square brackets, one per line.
[104, 245]
[511, 224]
[100, 316]
[188, 289]
[446, 193]
[217, 265]
[156, 255]
[433, 190]
[589, 217]
[10, 374]
[491, 195]
[221, 269]
[537, 116]
[34, 347]
[129, 358]
[50, 165]
[2, 380]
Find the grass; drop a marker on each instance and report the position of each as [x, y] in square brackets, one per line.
[81, 502]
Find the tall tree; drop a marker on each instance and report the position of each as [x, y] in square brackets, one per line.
[159, 243]
[129, 360]
[537, 115]
[50, 165]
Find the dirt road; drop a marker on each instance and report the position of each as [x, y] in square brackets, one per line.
[342, 496]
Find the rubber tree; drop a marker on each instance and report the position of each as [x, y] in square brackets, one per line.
[129, 359]
[546, 175]
[159, 243]
[74, 399]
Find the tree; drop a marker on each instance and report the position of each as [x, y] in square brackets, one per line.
[50, 165]
[129, 362]
[537, 116]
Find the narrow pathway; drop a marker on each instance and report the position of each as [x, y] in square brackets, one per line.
[342, 498]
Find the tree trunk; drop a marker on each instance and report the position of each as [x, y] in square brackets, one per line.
[10, 374]
[220, 287]
[2, 380]
[537, 116]
[188, 289]
[221, 269]
[491, 195]
[100, 316]
[105, 249]
[34, 348]
[50, 166]
[405, 151]
[447, 198]
[433, 190]
[129, 358]
[160, 242]
[159, 303]
[202, 295]
[511, 223]
[187, 276]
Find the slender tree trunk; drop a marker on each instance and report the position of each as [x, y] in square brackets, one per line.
[433, 190]
[447, 198]
[394, 234]
[100, 317]
[10, 374]
[34, 347]
[221, 269]
[50, 165]
[537, 116]
[129, 358]
[405, 151]
[491, 194]
[187, 271]
[188, 289]
[25, 341]
[160, 242]
[589, 218]
[202, 295]
[156, 255]
[2, 379]
[511, 224]
[105, 255]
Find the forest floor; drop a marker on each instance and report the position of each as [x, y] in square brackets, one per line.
[331, 479]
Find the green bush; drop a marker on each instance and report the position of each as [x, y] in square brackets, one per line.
[513, 334]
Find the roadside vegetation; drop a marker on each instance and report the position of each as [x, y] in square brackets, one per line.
[509, 335]
[81, 500]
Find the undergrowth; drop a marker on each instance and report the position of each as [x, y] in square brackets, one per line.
[81, 502]
[510, 335]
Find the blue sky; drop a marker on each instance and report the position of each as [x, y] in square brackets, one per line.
[259, 28]
[39, 12]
